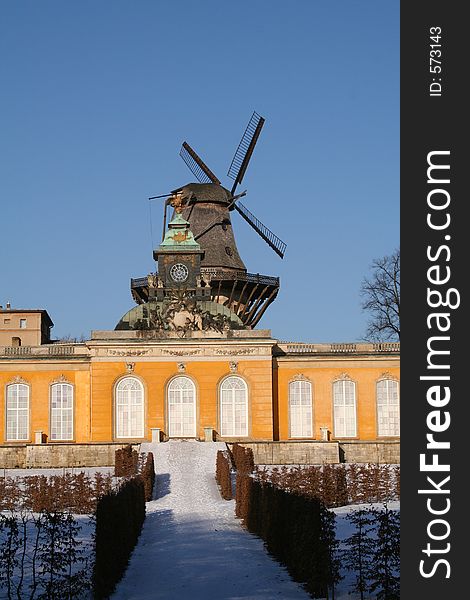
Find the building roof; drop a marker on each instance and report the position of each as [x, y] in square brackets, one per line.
[45, 314]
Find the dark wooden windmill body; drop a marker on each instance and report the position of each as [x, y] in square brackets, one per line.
[207, 206]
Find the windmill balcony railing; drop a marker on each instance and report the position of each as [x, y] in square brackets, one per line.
[217, 275]
[139, 282]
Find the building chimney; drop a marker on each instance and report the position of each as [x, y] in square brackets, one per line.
[8, 306]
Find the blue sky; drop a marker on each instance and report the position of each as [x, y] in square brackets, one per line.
[97, 97]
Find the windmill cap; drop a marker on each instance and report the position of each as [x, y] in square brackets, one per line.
[204, 192]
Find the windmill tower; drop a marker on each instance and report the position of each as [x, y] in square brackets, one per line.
[206, 207]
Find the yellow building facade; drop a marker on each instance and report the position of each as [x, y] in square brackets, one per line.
[120, 387]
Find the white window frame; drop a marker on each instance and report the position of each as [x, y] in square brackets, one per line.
[175, 404]
[19, 414]
[130, 408]
[388, 408]
[23, 323]
[301, 414]
[341, 413]
[61, 417]
[228, 402]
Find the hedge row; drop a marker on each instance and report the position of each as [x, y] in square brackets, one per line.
[148, 475]
[222, 475]
[119, 518]
[337, 485]
[77, 493]
[292, 527]
[243, 459]
[126, 462]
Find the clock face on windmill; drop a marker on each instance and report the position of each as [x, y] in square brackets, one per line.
[179, 272]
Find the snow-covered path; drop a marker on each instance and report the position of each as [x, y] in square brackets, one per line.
[191, 546]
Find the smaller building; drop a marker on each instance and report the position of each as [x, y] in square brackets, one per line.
[20, 327]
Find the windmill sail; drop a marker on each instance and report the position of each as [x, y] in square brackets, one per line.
[196, 165]
[245, 149]
[268, 236]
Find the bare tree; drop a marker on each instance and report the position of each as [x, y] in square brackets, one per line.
[381, 298]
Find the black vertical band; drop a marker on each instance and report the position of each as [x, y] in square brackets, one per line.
[434, 230]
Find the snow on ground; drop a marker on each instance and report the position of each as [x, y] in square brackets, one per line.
[192, 547]
[345, 529]
[90, 471]
[21, 578]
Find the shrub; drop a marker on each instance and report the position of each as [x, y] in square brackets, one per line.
[10, 493]
[126, 462]
[292, 527]
[243, 495]
[357, 557]
[76, 492]
[222, 475]
[41, 557]
[384, 572]
[372, 552]
[243, 459]
[103, 484]
[148, 476]
[119, 518]
[337, 485]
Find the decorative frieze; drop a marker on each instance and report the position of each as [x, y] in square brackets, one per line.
[234, 352]
[127, 352]
[181, 352]
[192, 352]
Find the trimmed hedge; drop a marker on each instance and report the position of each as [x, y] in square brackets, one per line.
[222, 475]
[337, 485]
[126, 462]
[74, 492]
[148, 476]
[292, 528]
[243, 459]
[119, 518]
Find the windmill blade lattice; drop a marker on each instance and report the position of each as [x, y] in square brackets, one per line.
[196, 165]
[245, 149]
[268, 236]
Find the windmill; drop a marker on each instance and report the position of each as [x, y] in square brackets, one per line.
[236, 172]
[207, 205]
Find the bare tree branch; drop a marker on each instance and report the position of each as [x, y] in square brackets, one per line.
[381, 299]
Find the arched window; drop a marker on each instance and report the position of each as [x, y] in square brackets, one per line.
[181, 407]
[129, 402]
[17, 412]
[344, 405]
[300, 409]
[233, 407]
[61, 411]
[388, 408]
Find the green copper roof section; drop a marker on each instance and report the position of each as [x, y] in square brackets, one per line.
[179, 235]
